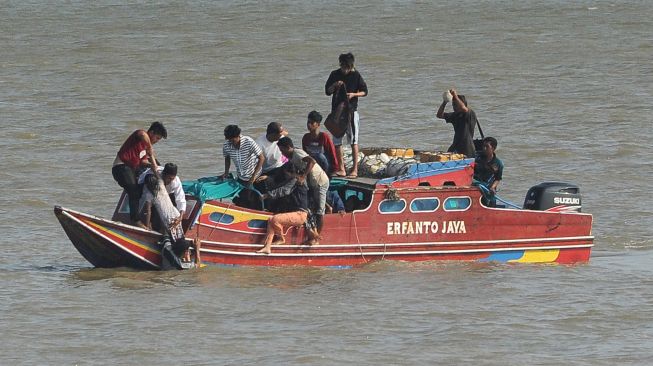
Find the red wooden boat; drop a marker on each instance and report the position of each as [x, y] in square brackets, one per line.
[432, 212]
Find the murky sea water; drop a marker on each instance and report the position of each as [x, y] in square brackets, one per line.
[566, 88]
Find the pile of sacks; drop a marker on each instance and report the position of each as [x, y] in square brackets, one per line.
[391, 162]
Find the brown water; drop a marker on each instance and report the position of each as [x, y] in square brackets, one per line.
[566, 88]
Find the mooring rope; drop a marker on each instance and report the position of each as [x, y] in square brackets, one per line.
[360, 248]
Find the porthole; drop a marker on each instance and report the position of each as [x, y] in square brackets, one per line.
[257, 224]
[392, 206]
[221, 218]
[457, 203]
[424, 204]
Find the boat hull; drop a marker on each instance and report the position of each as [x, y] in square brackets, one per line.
[110, 244]
[404, 222]
[477, 233]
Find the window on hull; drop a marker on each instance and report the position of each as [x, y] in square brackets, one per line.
[390, 206]
[257, 224]
[424, 204]
[457, 203]
[221, 218]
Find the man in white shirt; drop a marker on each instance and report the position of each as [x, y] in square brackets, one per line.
[271, 174]
[172, 183]
[268, 143]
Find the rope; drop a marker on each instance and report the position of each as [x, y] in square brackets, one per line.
[213, 227]
[360, 248]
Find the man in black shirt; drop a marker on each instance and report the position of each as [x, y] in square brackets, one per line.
[463, 120]
[488, 170]
[356, 88]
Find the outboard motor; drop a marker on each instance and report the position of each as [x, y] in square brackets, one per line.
[553, 196]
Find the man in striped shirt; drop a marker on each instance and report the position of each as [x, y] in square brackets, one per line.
[246, 155]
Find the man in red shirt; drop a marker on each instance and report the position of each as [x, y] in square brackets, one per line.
[319, 145]
[135, 154]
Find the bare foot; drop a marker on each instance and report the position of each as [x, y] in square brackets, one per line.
[279, 242]
[265, 250]
[312, 242]
[140, 224]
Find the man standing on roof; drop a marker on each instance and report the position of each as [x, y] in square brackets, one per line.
[356, 88]
[463, 120]
[135, 154]
[245, 154]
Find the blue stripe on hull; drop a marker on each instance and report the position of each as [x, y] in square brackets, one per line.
[504, 256]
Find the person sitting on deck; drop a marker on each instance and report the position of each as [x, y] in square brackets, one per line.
[319, 145]
[488, 170]
[334, 203]
[353, 203]
[295, 208]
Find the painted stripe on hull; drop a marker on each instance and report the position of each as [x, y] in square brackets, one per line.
[539, 256]
[114, 242]
[562, 256]
[387, 254]
[441, 243]
[223, 228]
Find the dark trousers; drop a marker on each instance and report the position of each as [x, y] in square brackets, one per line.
[276, 178]
[126, 178]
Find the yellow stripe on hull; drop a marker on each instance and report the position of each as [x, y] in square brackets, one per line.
[538, 256]
[239, 216]
[129, 240]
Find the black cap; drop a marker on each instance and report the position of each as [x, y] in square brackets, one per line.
[170, 169]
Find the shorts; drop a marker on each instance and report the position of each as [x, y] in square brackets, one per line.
[352, 136]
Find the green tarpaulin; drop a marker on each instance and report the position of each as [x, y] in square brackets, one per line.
[212, 188]
[216, 188]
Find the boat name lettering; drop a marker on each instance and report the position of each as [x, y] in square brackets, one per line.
[425, 227]
[566, 200]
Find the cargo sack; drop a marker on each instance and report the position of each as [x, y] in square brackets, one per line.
[341, 115]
